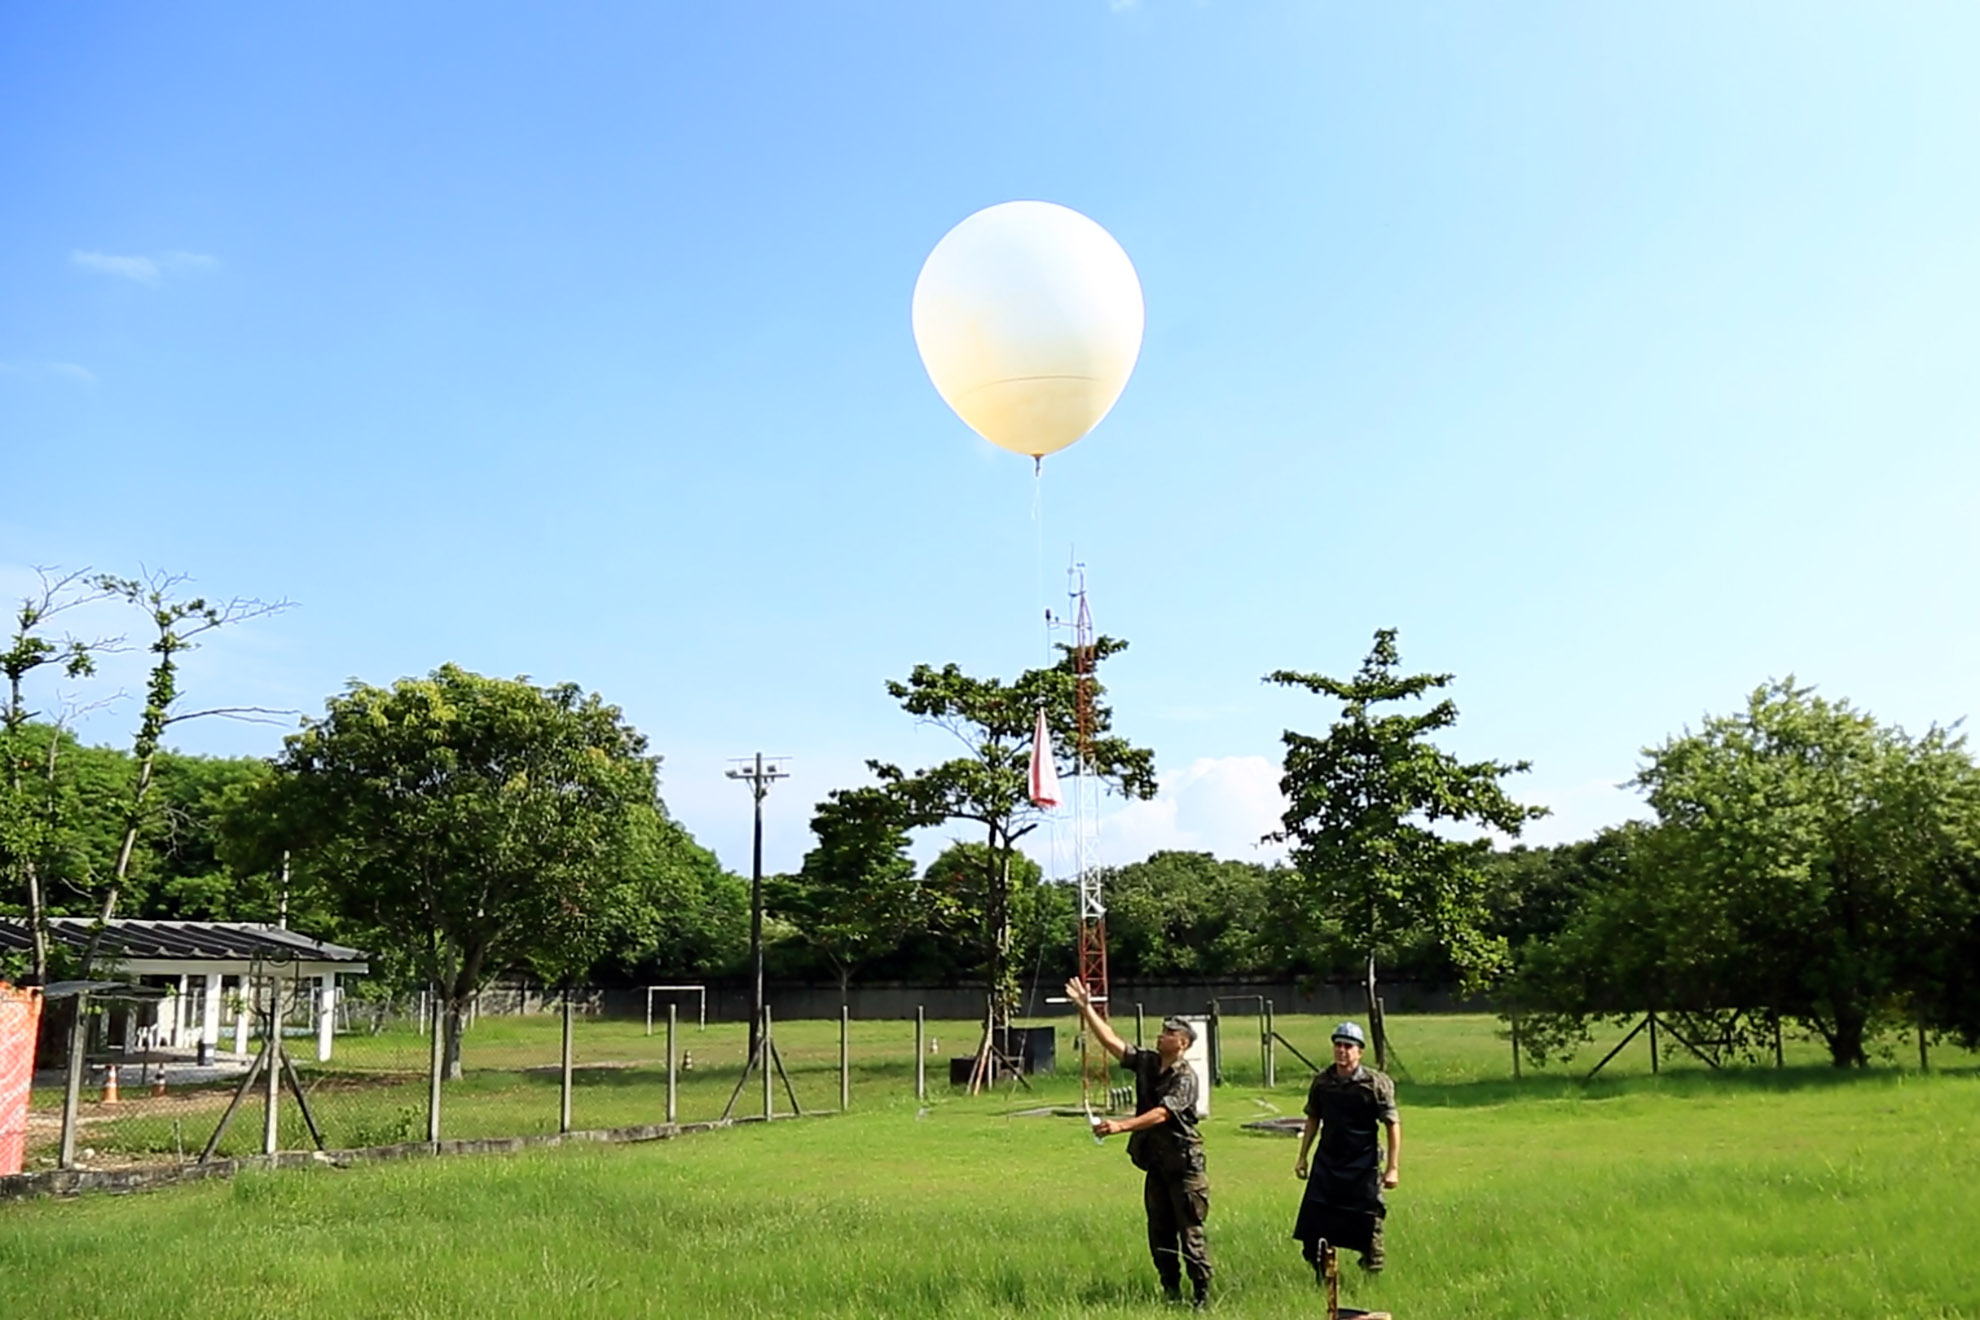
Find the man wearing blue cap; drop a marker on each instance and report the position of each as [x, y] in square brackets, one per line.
[1163, 1142]
[1342, 1205]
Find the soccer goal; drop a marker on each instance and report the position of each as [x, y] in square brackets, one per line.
[700, 991]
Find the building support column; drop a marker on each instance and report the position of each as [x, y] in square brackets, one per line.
[209, 1025]
[326, 1015]
[181, 1010]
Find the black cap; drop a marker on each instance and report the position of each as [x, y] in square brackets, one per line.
[1183, 1025]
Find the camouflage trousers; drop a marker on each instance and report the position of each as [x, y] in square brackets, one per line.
[1177, 1205]
[1372, 1257]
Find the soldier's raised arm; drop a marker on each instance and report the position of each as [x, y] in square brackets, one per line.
[1082, 998]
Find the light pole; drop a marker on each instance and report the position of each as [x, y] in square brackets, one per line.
[759, 776]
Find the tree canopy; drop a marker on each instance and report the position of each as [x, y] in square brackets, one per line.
[1369, 805]
[1189, 914]
[476, 825]
[1806, 862]
[988, 784]
[856, 894]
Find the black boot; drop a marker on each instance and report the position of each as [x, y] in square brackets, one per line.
[1372, 1259]
[1202, 1299]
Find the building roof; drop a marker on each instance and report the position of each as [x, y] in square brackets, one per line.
[205, 942]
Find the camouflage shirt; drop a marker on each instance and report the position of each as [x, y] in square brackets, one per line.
[1174, 1146]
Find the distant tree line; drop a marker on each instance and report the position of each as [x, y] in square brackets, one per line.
[1805, 864]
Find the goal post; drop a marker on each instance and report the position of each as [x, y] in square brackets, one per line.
[700, 991]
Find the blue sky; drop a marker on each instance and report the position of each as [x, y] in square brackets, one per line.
[1621, 357]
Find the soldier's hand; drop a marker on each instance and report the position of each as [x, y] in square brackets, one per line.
[1077, 993]
[1391, 1178]
[1299, 1169]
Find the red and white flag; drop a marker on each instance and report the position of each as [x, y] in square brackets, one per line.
[1044, 777]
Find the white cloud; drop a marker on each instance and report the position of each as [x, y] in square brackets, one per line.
[66, 370]
[142, 269]
[1225, 805]
[148, 271]
[1221, 805]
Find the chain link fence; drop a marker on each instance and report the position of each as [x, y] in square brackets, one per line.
[296, 1069]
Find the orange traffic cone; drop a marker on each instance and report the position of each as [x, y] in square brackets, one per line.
[110, 1084]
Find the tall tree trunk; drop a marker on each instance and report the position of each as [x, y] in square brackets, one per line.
[1846, 1045]
[37, 922]
[37, 905]
[454, 1023]
[998, 919]
[133, 817]
[1377, 1031]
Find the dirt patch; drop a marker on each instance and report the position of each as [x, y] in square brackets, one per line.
[606, 1065]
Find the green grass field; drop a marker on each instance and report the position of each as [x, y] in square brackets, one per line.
[374, 1090]
[1757, 1192]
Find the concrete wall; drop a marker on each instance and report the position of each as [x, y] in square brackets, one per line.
[730, 1003]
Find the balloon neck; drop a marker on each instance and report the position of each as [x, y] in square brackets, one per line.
[1037, 464]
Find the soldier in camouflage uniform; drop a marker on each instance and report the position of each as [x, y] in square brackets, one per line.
[1343, 1202]
[1163, 1142]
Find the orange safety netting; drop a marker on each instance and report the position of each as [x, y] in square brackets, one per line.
[20, 1022]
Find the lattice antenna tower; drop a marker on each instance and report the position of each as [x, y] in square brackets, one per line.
[1086, 815]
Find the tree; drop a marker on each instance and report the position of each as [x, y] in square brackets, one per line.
[177, 622]
[1811, 860]
[988, 784]
[28, 766]
[1188, 914]
[703, 927]
[1366, 807]
[1534, 893]
[856, 894]
[957, 890]
[477, 825]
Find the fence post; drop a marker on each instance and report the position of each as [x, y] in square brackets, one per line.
[1271, 1054]
[1653, 1042]
[1924, 1060]
[1515, 1045]
[564, 1070]
[436, 1029]
[673, 1112]
[845, 1058]
[1216, 1047]
[920, 1053]
[1137, 1024]
[765, 1056]
[72, 1084]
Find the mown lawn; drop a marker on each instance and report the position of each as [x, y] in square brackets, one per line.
[374, 1090]
[1796, 1192]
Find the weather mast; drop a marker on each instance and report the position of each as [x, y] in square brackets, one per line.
[1095, 1063]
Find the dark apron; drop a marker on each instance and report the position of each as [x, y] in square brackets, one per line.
[1343, 1196]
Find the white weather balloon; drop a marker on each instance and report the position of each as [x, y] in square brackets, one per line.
[1028, 316]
